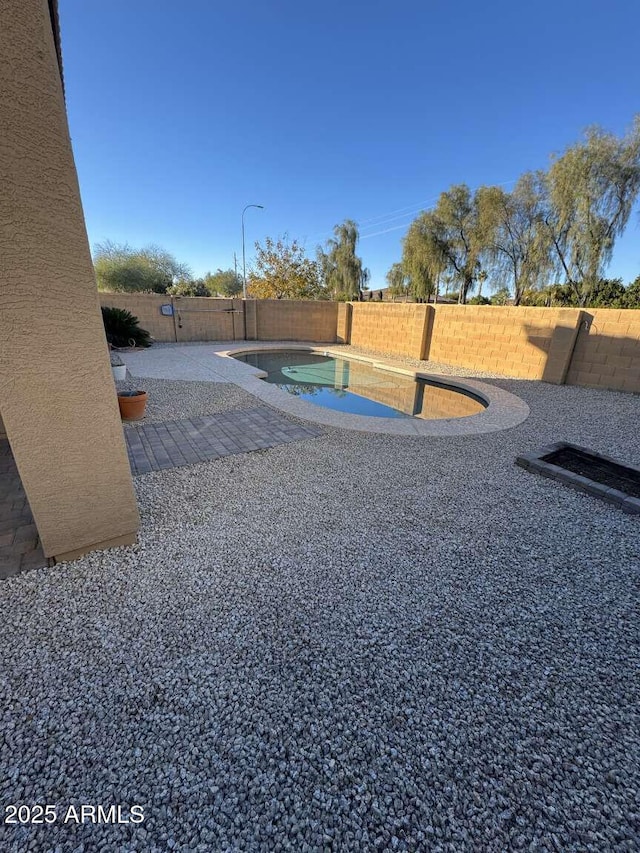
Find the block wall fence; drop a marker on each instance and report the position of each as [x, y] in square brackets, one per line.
[597, 348]
[196, 318]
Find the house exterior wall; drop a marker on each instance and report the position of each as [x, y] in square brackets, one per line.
[57, 395]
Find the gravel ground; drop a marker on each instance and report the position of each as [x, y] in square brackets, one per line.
[171, 399]
[358, 642]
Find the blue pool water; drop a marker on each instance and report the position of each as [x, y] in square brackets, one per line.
[358, 388]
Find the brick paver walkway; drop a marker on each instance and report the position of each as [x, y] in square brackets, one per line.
[19, 544]
[151, 447]
[173, 444]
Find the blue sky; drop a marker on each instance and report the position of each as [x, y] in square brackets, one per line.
[183, 113]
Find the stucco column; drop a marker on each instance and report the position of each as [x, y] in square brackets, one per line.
[57, 395]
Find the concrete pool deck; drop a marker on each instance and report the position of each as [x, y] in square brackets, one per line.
[214, 363]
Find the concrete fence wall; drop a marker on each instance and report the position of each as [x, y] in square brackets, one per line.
[530, 343]
[345, 317]
[598, 348]
[395, 328]
[146, 307]
[205, 319]
[291, 320]
[607, 351]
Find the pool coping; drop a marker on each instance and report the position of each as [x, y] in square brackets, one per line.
[504, 410]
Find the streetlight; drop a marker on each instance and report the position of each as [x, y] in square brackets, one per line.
[244, 266]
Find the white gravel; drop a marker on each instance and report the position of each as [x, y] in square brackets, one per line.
[171, 399]
[358, 642]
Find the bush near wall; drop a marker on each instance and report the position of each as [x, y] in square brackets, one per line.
[123, 329]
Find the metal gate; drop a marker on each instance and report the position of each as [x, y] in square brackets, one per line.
[197, 319]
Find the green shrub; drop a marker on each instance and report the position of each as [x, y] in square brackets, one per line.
[478, 300]
[631, 298]
[501, 297]
[188, 288]
[606, 293]
[123, 330]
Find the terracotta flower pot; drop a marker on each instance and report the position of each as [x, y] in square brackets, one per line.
[132, 405]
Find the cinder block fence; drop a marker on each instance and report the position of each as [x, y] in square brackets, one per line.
[598, 348]
[200, 318]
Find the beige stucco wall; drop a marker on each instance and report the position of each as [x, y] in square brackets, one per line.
[57, 394]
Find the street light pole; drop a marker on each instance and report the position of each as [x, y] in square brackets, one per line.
[244, 265]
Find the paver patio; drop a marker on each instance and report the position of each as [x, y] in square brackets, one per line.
[173, 444]
[150, 447]
[19, 543]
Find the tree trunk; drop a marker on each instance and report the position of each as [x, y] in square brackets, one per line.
[464, 289]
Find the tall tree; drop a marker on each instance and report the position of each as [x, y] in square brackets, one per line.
[283, 271]
[482, 276]
[223, 283]
[607, 292]
[513, 244]
[120, 268]
[457, 215]
[365, 278]
[425, 255]
[589, 193]
[342, 269]
[397, 280]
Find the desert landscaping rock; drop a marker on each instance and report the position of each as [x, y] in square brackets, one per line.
[355, 643]
[173, 399]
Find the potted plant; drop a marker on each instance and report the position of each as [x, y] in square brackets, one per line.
[132, 405]
[118, 367]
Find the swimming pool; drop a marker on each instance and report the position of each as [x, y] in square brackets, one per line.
[356, 387]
